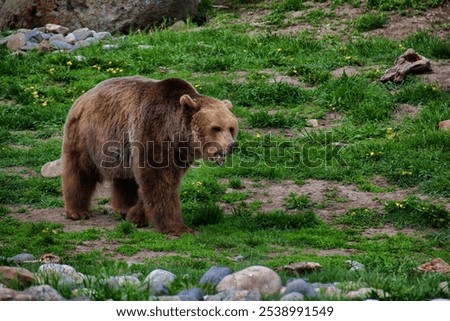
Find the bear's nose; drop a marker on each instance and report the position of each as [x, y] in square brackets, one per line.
[232, 147]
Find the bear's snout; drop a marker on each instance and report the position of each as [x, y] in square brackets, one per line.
[232, 147]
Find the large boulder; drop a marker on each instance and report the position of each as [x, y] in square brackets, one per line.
[111, 15]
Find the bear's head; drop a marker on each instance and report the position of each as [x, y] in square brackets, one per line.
[214, 127]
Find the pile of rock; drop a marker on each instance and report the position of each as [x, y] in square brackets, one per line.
[250, 284]
[53, 37]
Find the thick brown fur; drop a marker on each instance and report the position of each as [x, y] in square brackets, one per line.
[142, 135]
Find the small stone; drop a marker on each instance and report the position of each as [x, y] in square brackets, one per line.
[57, 37]
[436, 266]
[235, 295]
[83, 35]
[293, 296]
[102, 35]
[445, 125]
[355, 265]
[43, 293]
[159, 280]
[179, 25]
[80, 58]
[312, 123]
[87, 42]
[16, 42]
[70, 38]
[253, 278]
[29, 46]
[116, 282]
[110, 47]
[238, 258]
[44, 46]
[194, 294]
[21, 258]
[7, 294]
[444, 286]
[299, 286]
[333, 291]
[145, 47]
[61, 45]
[54, 28]
[8, 274]
[23, 30]
[365, 292]
[214, 275]
[66, 274]
[440, 299]
[34, 36]
[84, 29]
[52, 169]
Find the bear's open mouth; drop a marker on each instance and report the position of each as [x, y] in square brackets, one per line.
[219, 159]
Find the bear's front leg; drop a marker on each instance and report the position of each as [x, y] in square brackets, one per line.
[158, 191]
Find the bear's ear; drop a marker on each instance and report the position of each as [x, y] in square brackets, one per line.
[187, 102]
[228, 104]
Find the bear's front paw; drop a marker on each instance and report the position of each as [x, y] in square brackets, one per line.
[79, 215]
[178, 231]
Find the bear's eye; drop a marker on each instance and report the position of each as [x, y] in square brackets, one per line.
[231, 130]
[216, 129]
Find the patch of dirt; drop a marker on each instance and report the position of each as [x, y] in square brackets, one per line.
[23, 171]
[110, 248]
[389, 231]
[400, 26]
[334, 198]
[440, 74]
[331, 252]
[405, 110]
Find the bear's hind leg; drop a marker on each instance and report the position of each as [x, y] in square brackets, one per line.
[124, 195]
[78, 185]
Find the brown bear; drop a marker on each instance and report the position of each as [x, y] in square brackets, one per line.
[141, 135]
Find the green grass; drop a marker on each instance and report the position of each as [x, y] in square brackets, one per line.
[223, 204]
[370, 21]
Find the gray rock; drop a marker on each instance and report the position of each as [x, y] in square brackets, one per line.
[34, 36]
[242, 295]
[16, 42]
[440, 299]
[299, 286]
[81, 30]
[355, 265]
[87, 42]
[365, 292]
[293, 296]
[110, 47]
[83, 35]
[179, 25]
[81, 298]
[214, 275]
[145, 47]
[444, 286]
[194, 294]
[57, 37]
[22, 257]
[253, 278]
[70, 38]
[7, 294]
[159, 280]
[102, 35]
[61, 45]
[116, 282]
[65, 274]
[54, 28]
[30, 46]
[43, 293]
